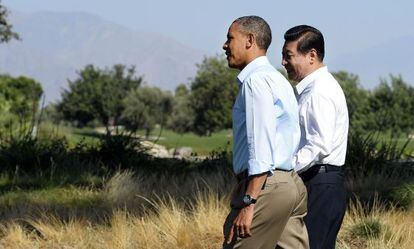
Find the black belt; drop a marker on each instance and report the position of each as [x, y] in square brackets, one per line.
[318, 168]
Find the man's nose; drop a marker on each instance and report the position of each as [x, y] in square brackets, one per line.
[225, 46]
[284, 62]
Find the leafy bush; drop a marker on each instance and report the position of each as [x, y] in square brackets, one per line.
[27, 155]
[50, 160]
[53, 158]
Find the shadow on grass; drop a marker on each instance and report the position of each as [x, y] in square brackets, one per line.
[91, 134]
[129, 191]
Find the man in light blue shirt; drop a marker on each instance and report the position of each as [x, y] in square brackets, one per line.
[265, 120]
[269, 203]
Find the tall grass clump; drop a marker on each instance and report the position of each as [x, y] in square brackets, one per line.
[403, 195]
[367, 228]
[168, 224]
[375, 168]
[132, 210]
[369, 154]
[380, 227]
[172, 223]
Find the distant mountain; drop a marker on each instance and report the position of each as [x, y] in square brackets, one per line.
[394, 57]
[55, 46]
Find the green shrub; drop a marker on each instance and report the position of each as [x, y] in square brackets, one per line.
[368, 154]
[27, 155]
[367, 228]
[403, 195]
[376, 168]
[50, 160]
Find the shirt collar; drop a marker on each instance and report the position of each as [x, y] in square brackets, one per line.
[303, 84]
[253, 65]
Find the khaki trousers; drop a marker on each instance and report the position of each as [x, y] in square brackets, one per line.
[278, 214]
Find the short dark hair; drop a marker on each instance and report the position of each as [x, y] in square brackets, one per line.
[258, 27]
[308, 38]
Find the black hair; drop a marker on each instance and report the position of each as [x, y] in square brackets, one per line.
[258, 27]
[308, 38]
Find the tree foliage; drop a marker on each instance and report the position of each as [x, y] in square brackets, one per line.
[392, 104]
[98, 94]
[357, 98]
[181, 119]
[115, 97]
[213, 91]
[19, 99]
[6, 29]
[145, 107]
[388, 107]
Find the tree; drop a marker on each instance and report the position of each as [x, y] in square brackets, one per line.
[19, 99]
[98, 94]
[213, 91]
[357, 99]
[6, 32]
[182, 116]
[393, 105]
[145, 107]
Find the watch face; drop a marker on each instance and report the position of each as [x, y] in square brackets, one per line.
[247, 199]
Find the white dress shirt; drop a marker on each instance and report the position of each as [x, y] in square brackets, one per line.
[323, 117]
[265, 120]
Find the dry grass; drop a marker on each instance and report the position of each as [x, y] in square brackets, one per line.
[142, 218]
[170, 226]
[377, 228]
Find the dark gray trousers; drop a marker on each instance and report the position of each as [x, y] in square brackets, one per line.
[326, 208]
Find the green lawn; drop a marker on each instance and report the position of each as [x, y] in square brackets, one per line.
[401, 141]
[73, 135]
[202, 145]
[70, 196]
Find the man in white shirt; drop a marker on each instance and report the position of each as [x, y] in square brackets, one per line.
[266, 136]
[323, 117]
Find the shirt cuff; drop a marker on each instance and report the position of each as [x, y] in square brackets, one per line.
[259, 167]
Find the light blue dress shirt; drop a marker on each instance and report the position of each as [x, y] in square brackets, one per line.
[265, 120]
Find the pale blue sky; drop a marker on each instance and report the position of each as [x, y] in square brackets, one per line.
[348, 26]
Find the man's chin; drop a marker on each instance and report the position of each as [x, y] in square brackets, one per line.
[231, 65]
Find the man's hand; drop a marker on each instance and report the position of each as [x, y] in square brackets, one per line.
[242, 223]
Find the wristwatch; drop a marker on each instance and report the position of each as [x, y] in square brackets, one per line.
[248, 200]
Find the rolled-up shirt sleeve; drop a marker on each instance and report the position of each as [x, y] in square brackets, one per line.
[317, 117]
[260, 125]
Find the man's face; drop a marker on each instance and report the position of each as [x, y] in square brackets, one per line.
[235, 47]
[296, 64]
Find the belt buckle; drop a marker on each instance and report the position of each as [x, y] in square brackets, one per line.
[322, 169]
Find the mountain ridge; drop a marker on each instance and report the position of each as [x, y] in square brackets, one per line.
[55, 45]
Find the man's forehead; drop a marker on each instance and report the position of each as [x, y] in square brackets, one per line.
[233, 27]
[233, 30]
[289, 46]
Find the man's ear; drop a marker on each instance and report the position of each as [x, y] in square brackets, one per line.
[250, 40]
[313, 56]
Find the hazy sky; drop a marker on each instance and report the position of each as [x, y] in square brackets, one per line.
[348, 26]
